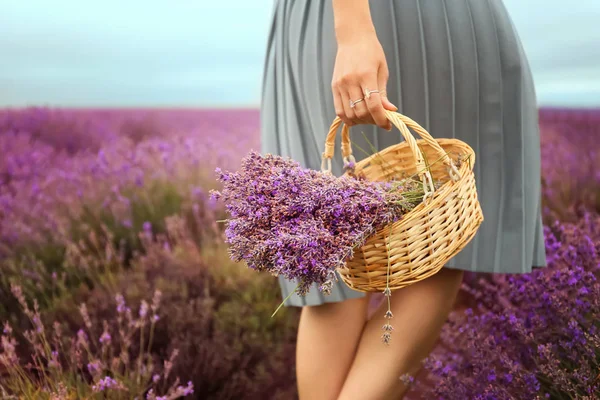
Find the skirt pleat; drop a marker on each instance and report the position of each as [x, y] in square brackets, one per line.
[459, 69]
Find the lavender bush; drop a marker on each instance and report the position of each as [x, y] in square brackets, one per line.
[43, 188]
[532, 336]
[214, 312]
[571, 173]
[68, 220]
[93, 363]
[79, 226]
[59, 129]
[97, 203]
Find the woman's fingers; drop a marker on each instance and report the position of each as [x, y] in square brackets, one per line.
[349, 110]
[375, 105]
[355, 104]
[361, 111]
[340, 110]
[382, 80]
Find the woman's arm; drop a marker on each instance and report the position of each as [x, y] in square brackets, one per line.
[352, 20]
[360, 64]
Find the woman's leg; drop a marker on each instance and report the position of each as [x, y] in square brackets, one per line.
[419, 312]
[328, 336]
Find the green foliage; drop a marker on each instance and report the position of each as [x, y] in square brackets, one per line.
[217, 314]
[98, 245]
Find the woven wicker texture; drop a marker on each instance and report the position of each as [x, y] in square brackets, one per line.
[421, 243]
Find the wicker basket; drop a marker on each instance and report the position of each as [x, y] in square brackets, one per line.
[421, 243]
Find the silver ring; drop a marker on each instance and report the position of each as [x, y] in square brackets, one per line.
[353, 103]
[368, 93]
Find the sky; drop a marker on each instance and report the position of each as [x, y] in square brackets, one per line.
[207, 53]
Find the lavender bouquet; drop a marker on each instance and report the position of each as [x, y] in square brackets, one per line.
[303, 224]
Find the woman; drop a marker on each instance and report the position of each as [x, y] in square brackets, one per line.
[458, 68]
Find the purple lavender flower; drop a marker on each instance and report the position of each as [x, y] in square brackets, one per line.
[82, 339]
[300, 223]
[107, 383]
[105, 338]
[533, 335]
[120, 303]
[189, 389]
[143, 309]
[94, 367]
[39, 327]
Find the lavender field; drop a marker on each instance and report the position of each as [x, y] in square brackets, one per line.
[115, 282]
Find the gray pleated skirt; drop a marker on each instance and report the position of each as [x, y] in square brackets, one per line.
[458, 68]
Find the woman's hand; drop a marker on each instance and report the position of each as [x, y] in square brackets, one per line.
[360, 65]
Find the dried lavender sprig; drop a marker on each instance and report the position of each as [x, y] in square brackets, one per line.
[387, 327]
[299, 223]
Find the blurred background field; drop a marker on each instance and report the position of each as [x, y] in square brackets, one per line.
[99, 204]
[115, 282]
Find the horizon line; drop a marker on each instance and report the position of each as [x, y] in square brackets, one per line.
[219, 107]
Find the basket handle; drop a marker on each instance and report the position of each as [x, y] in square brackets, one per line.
[401, 122]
